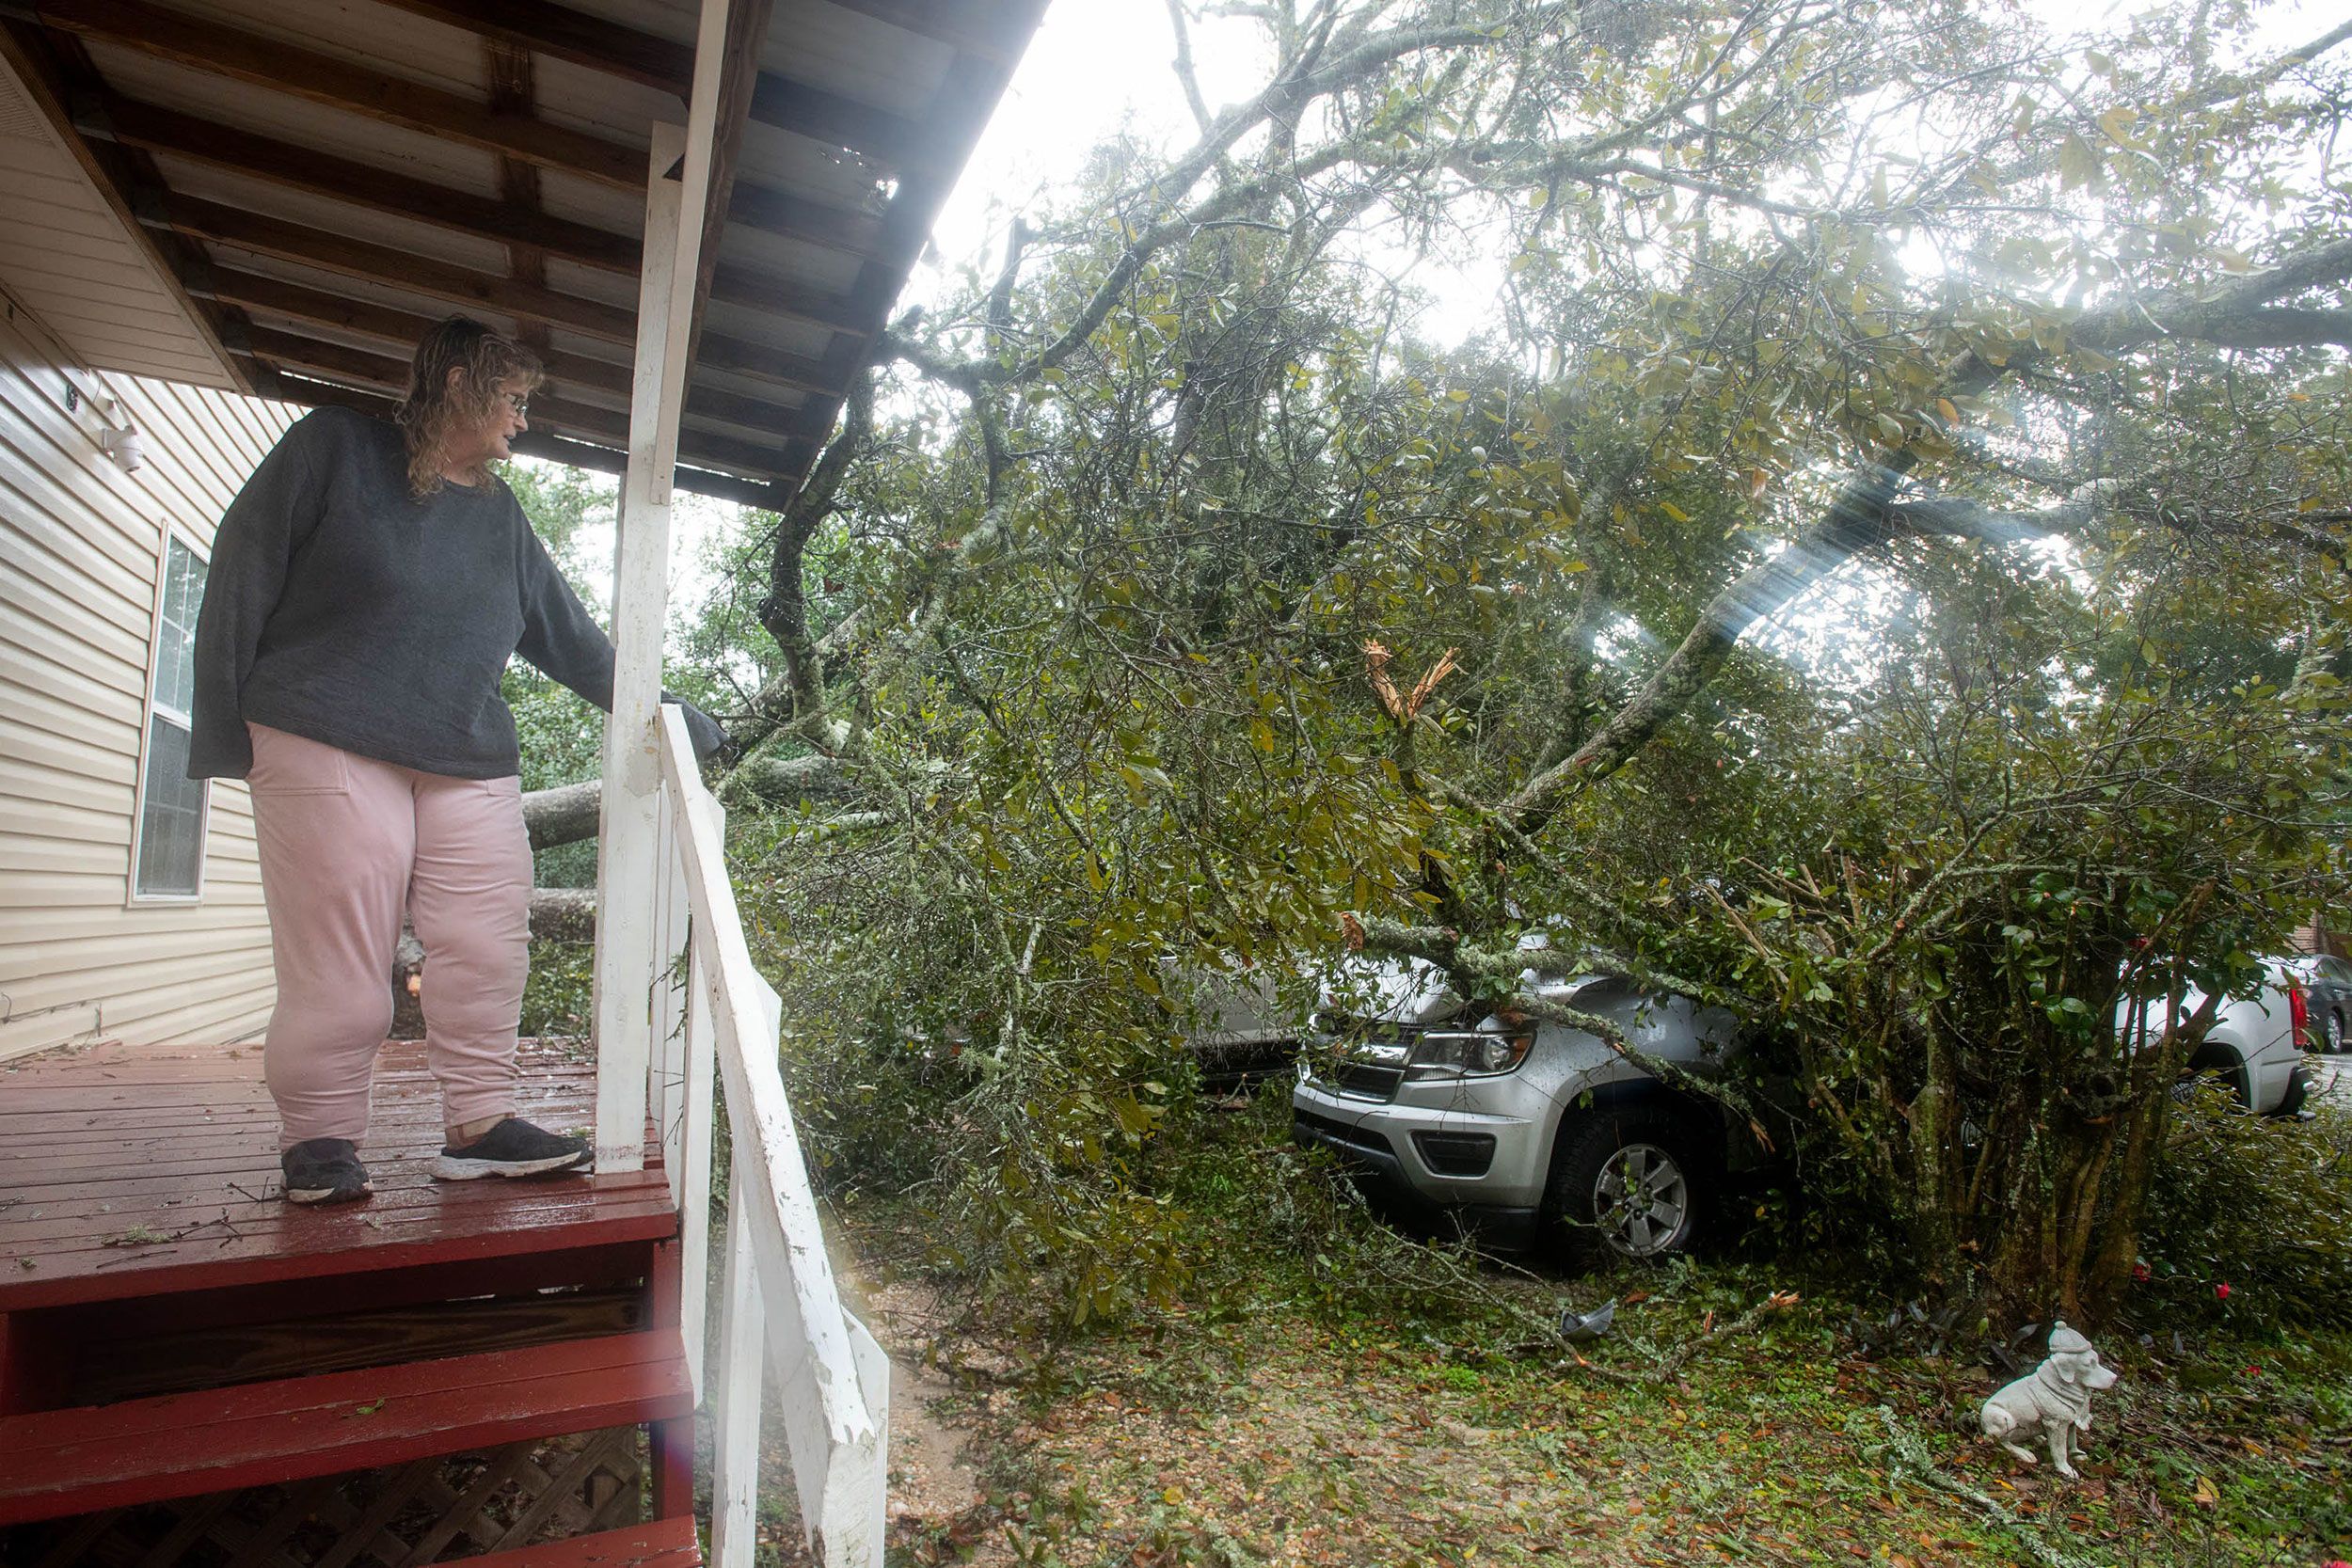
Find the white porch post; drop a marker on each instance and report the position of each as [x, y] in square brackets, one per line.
[677, 187]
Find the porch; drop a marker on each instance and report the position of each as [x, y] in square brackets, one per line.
[173, 1327]
[171, 1330]
[698, 212]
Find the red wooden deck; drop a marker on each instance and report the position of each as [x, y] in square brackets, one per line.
[170, 1327]
[130, 1173]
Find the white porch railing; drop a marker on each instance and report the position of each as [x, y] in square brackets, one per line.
[715, 1029]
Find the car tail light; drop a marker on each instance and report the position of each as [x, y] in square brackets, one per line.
[2298, 1013]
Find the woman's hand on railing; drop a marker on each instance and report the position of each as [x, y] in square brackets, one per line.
[710, 740]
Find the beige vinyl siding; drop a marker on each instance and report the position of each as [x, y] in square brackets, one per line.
[80, 555]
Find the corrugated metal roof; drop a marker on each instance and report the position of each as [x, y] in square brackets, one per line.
[327, 177]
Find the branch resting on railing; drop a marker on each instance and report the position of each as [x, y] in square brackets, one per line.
[567, 814]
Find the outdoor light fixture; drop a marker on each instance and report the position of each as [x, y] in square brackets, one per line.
[122, 445]
[117, 437]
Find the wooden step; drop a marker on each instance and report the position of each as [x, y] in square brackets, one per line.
[59, 1461]
[661, 1543]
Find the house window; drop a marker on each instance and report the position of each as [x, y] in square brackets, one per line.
[170, 863]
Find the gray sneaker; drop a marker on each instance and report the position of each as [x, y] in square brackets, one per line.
[513, 1147]
[324, 1170]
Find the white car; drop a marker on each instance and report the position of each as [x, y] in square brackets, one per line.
[2254, 1046]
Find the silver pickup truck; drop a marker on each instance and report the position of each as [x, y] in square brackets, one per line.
[1511, 1131]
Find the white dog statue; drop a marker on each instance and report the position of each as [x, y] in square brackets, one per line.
[2053, 1396]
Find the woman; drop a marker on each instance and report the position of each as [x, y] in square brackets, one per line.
[366, 588]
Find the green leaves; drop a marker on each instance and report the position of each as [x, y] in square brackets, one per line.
[2079, 164]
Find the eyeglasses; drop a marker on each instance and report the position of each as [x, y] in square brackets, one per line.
[519, 403]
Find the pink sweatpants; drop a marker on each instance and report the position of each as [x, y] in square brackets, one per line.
[345, 843]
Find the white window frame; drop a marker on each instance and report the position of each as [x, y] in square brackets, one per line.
[133, 896]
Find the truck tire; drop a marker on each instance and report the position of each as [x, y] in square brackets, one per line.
[1633, 1183]
[2218, 1062]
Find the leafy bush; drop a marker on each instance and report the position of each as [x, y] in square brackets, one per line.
[2263, 1208]
[557, 996]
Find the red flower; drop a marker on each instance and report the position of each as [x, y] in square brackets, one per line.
[2140, 1272]
[2221, 1292]
[2254, 1370]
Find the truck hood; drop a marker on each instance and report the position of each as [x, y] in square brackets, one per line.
[1414, 990]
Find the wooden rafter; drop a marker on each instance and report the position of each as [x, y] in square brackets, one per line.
[286, 67]
[399, 330]
[784, 103]
[157, 129]
[512, 92]
[388, 373]
[385, 324]
[312, 392]
[562, 33]
[991, 30]
[738, 79]
[308, 329]
[132, 123]
[462, 286]
[510, 223]
[364, 259]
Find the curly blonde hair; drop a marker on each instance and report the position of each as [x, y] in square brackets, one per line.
[489, 367]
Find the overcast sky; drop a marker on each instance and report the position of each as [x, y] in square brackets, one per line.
[1096, 66]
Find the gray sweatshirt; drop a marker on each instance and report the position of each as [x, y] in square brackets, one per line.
[338, 608]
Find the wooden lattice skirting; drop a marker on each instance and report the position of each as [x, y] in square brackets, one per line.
[401, 1516]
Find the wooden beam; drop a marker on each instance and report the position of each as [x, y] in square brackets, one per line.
[263, 62]
[311, 393]
[739, 78]
[381, 263]
[390, 374]
[148, 126]
[464, 286]
[514, 90]
[786, 104]
[994, 30]
[403, 329]
[184, 135]
[562, 33]
[157, 129]
[805, 109]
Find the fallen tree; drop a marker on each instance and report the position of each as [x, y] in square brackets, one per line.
[1130, 622]
[568, 813]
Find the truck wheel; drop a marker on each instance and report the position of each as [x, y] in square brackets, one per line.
[2332, 1034]
[2221, 1064]
[1629, 1183]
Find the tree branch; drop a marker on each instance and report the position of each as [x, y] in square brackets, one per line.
[567, 815]
[784, 611]
[1184, 74]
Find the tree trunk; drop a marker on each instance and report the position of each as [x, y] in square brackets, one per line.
[567, 815]
[562, 914]
[562, 816]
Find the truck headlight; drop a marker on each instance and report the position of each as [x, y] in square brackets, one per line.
[1467, 1054]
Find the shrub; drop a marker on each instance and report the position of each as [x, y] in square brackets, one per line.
[2261, 1207]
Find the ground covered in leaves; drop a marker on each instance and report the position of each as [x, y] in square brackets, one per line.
[1279, 1415]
